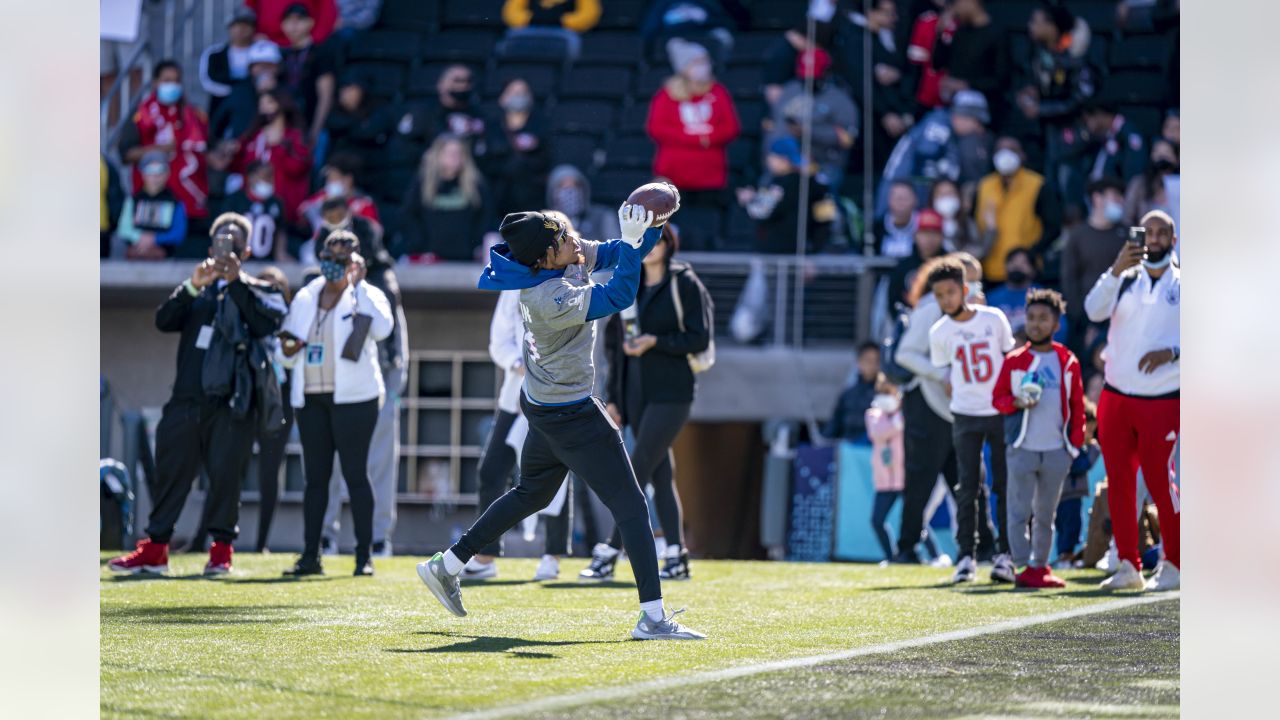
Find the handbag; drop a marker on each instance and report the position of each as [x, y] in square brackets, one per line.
[360, 325]
[698, 362]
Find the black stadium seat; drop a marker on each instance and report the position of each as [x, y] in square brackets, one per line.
[459, 45]
[1136, 88]
[606, 83]
[541, 79]
[777, 14]
[631, 120]
[740, 231]
[385, 45]
[750, 114]
[422, 79]
[648, 82]
[630, 151]
[610, 48]
[412, 15]
[533, 49]
[583, 116]
[576, 150]
[621, 15]
[743, 83]
[751, 48]
[383, 79]
[471, 13]
[1145, 119]
[611, 187]
[1139, 52]
[1100, 14]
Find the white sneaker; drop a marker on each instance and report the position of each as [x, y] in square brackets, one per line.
[475, 570]
[1126, 578]
[1166, 577]
[1002, 569]
[548, 569]
[1111, 561]
[942, 561]
[966, 571]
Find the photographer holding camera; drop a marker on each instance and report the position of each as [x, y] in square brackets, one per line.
[333, 327]
[224, 388]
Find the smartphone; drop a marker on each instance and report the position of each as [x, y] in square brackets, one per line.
[1138, 236]
[223, 245]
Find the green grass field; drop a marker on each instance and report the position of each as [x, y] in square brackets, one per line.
[257, 645]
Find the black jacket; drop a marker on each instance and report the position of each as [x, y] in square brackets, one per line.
[450, 228]
[661, 375]
[849, 419]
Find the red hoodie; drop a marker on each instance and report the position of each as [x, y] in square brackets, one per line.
[1016, 365]
[920, 52]
[679, 127]
[292, 162]
[187, 128]
[271, 15]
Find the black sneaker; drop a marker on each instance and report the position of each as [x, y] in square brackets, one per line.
[603, 558]
[676, 568]
[904, 558]
[364, 568]
[305, 566]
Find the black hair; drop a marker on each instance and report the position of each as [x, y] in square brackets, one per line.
[256, 166]
[905, 183]
[333, 204]
[1058, 15]
[166, 64]
[1105, 184]
[346, 162]
[345, 237]
[671, 235]
[868, 345]
[1019, 251]
[948, 268]
[1051, 299]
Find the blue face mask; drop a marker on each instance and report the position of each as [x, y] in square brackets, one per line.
[1113, 211]
[332, 270]
[168, 93]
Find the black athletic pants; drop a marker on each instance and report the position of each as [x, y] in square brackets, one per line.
[972, 513]
[929, 451]
[581, 438]
[191, 434]
[656, 426]
[270, 455]
[494, 470]
[325, 426]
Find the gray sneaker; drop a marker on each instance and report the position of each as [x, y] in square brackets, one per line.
[666, 629]
[443, 585]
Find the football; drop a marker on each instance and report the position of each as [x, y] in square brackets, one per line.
[662, 198]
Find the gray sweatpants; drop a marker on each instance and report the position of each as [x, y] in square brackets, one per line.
[384, 470]
[1034, 486]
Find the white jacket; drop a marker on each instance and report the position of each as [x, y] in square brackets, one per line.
[506, 338]
[1145, 318]
[913, 354]
[354, 380]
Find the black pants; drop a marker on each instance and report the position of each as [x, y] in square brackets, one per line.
[972, 505]
[270, 455]
[656, 426]
[191, 434]
[879, 513]
[494, 471]
[581, 438]
[325, 426]
[929, 451]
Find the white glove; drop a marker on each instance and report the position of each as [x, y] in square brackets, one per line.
[634, 220]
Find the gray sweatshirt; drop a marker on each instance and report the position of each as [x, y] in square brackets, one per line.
[913, 354]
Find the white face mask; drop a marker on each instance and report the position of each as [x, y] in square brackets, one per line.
[947, 206]
[886, 403]
[1006, 161]
[263, 189]
[1113, 211]
[334, 188]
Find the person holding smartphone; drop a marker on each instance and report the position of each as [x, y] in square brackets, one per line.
[329, 343]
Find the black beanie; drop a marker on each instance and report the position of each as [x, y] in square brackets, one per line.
[529, 234]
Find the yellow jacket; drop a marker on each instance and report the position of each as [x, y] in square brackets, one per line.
[1017, 223]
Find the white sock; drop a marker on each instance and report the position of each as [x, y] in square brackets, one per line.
[673, 551]
[452, 564]
[653, 609]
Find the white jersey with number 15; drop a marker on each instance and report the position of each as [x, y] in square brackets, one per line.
[975, 351]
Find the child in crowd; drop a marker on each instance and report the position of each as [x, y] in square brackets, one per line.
[1041, 395]
[1068, 520]
[888, 469]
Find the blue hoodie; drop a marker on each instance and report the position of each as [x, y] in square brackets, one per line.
[504, 273]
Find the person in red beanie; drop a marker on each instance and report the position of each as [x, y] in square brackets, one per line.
[692, 120]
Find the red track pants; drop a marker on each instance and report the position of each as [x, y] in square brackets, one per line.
[1133, 433]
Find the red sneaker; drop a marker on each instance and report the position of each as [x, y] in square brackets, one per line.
[1039, 577]
[219, 559]
[149, 557]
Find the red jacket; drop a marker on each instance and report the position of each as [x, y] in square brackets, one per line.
[188, 129]
[292, 162]
[1017, 364]
[920, 52]
[271, 14]
[679, 127]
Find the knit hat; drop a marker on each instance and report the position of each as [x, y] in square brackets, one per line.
[154, 162]
[971, 103]
[928, 220]
[813, 63]
[264, 51]
[529, 234]
[683, 53]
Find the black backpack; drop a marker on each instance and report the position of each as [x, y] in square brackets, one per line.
[896, 374]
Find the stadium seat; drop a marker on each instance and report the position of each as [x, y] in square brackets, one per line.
[472, 14]
[541, 79]
[620, 15]
[464, 46]
[1100, 14]
[700, 227]
[411, 15]
[1011, 17]
[422, 78]
[381, 78]
[740, 231]
[533, 49]
[631, 120]
[1137, 88]
[776, 14]
[606, 83]
[744, 155]
[611, 187]
[751, 48]
[1146, 120]
[630, 151]
[750, 115]
[743, 83]
[610, 48]
[1139, 52]
[648, 82]
[576, 150]
[385, 45]
[583, 116]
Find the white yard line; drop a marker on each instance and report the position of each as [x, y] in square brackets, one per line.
[560, 702]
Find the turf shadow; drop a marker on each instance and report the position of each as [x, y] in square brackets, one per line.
[496, 583]
[498, 644]
[203, 614]
[570, 585]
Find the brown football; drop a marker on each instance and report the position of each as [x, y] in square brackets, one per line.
[662, 198]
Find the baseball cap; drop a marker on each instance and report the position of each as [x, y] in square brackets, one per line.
[927, 220]
[244, 15]
[972, 104]
[529, 234]
[813, 63]
[264, 51]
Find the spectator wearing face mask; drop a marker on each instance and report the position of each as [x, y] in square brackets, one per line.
[959, 229]
[272, 14]
[848, 420]
[1090, 248]
[519, 165]
[153, 222]
[951, 144]
[257, 201]
[239, 109]
[340, 182]
[776, 206]
[1158, 187]
[928, 245]
[692, 120]
[569, 192]
[1011, 297]
[831, 110]
[885, 427]
[446, 210]
[165, 122]
[896, 233]
[222, 65]
[1017, 203]
[274, 138]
